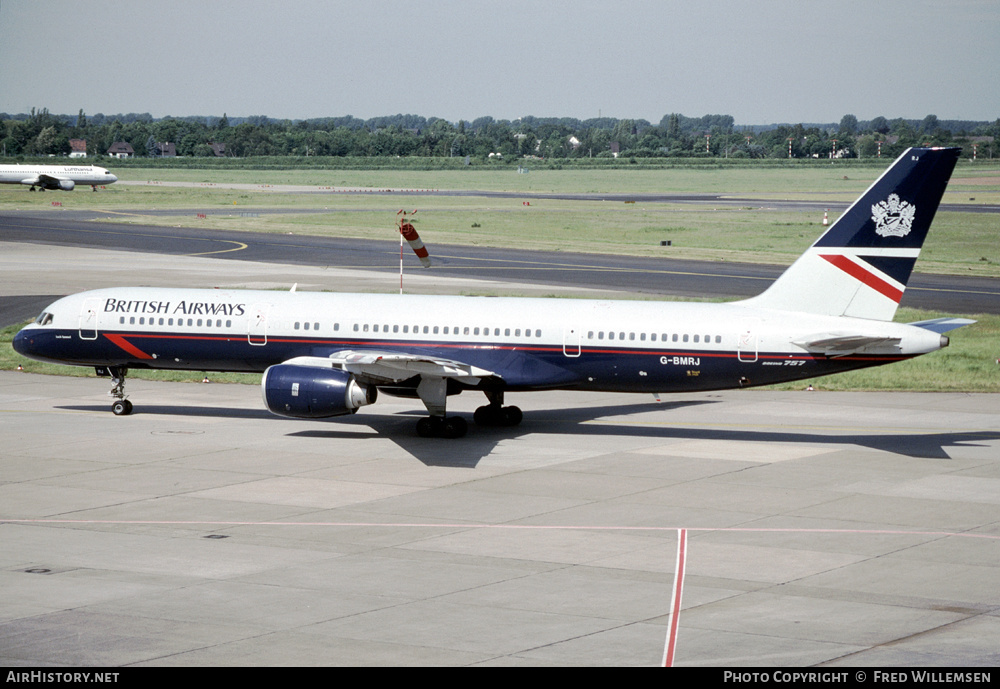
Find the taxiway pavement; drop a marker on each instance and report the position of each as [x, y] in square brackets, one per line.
[836, 529]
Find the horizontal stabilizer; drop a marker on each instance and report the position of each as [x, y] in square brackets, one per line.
[943, 325]
[842, 344]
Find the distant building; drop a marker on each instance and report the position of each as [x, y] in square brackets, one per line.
[164, 149]
[77, 148]
[121, 149]
[218, 149]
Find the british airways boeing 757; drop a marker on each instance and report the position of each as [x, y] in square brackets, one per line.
[64, 177]
[326, 355]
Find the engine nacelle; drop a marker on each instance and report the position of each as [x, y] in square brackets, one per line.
[310, 392]
[66, 184]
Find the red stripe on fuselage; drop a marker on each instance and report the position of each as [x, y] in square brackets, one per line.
[127, 346]
[865, 276]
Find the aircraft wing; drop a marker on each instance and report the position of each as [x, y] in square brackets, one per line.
[51, 182]
[383, 367]
[842, 344]
[396, 366]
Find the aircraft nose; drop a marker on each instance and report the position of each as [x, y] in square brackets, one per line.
[21, 343]
[114, 178]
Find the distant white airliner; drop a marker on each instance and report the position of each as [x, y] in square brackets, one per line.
[327, 354]
[64, 177]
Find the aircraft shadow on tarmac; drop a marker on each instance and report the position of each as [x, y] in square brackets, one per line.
[174, 410]
[481, 441]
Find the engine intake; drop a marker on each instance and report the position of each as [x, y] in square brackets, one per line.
[309, 392]
[66, 184]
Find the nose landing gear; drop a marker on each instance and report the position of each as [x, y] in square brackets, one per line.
[121, 406]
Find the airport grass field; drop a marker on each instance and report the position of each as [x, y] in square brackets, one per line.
[340, 203]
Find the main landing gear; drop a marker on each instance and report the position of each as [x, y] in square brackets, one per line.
[433, 393]
[121, 406]
[442, 427]
[495, 414]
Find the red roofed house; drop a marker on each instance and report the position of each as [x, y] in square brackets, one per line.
[77, 148]
[121, 149]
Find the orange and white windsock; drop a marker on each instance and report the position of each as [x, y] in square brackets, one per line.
[413, 239]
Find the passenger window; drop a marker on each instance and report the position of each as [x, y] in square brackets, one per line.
[506, 332]
[296, 325]
[395, 328]
[538, 333]
[611, 336]
[600, 335]
[695, 338]
[685, 338]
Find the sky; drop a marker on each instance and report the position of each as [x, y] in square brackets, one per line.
[765, 62]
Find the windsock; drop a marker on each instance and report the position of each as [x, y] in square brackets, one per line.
[413, 239]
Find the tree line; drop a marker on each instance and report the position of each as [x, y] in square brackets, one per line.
[41, 133]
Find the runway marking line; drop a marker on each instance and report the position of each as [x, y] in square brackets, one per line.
[670, 646]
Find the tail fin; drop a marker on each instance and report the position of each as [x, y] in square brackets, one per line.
[860, 266]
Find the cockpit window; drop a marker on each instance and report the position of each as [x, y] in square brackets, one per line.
[44, 318]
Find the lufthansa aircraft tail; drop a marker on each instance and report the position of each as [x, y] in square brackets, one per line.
[861, 265]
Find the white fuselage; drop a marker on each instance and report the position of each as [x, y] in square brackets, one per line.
[55, 176]
[530, 343]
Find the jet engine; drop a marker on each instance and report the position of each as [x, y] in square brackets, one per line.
[66, 184]
[310, 392]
